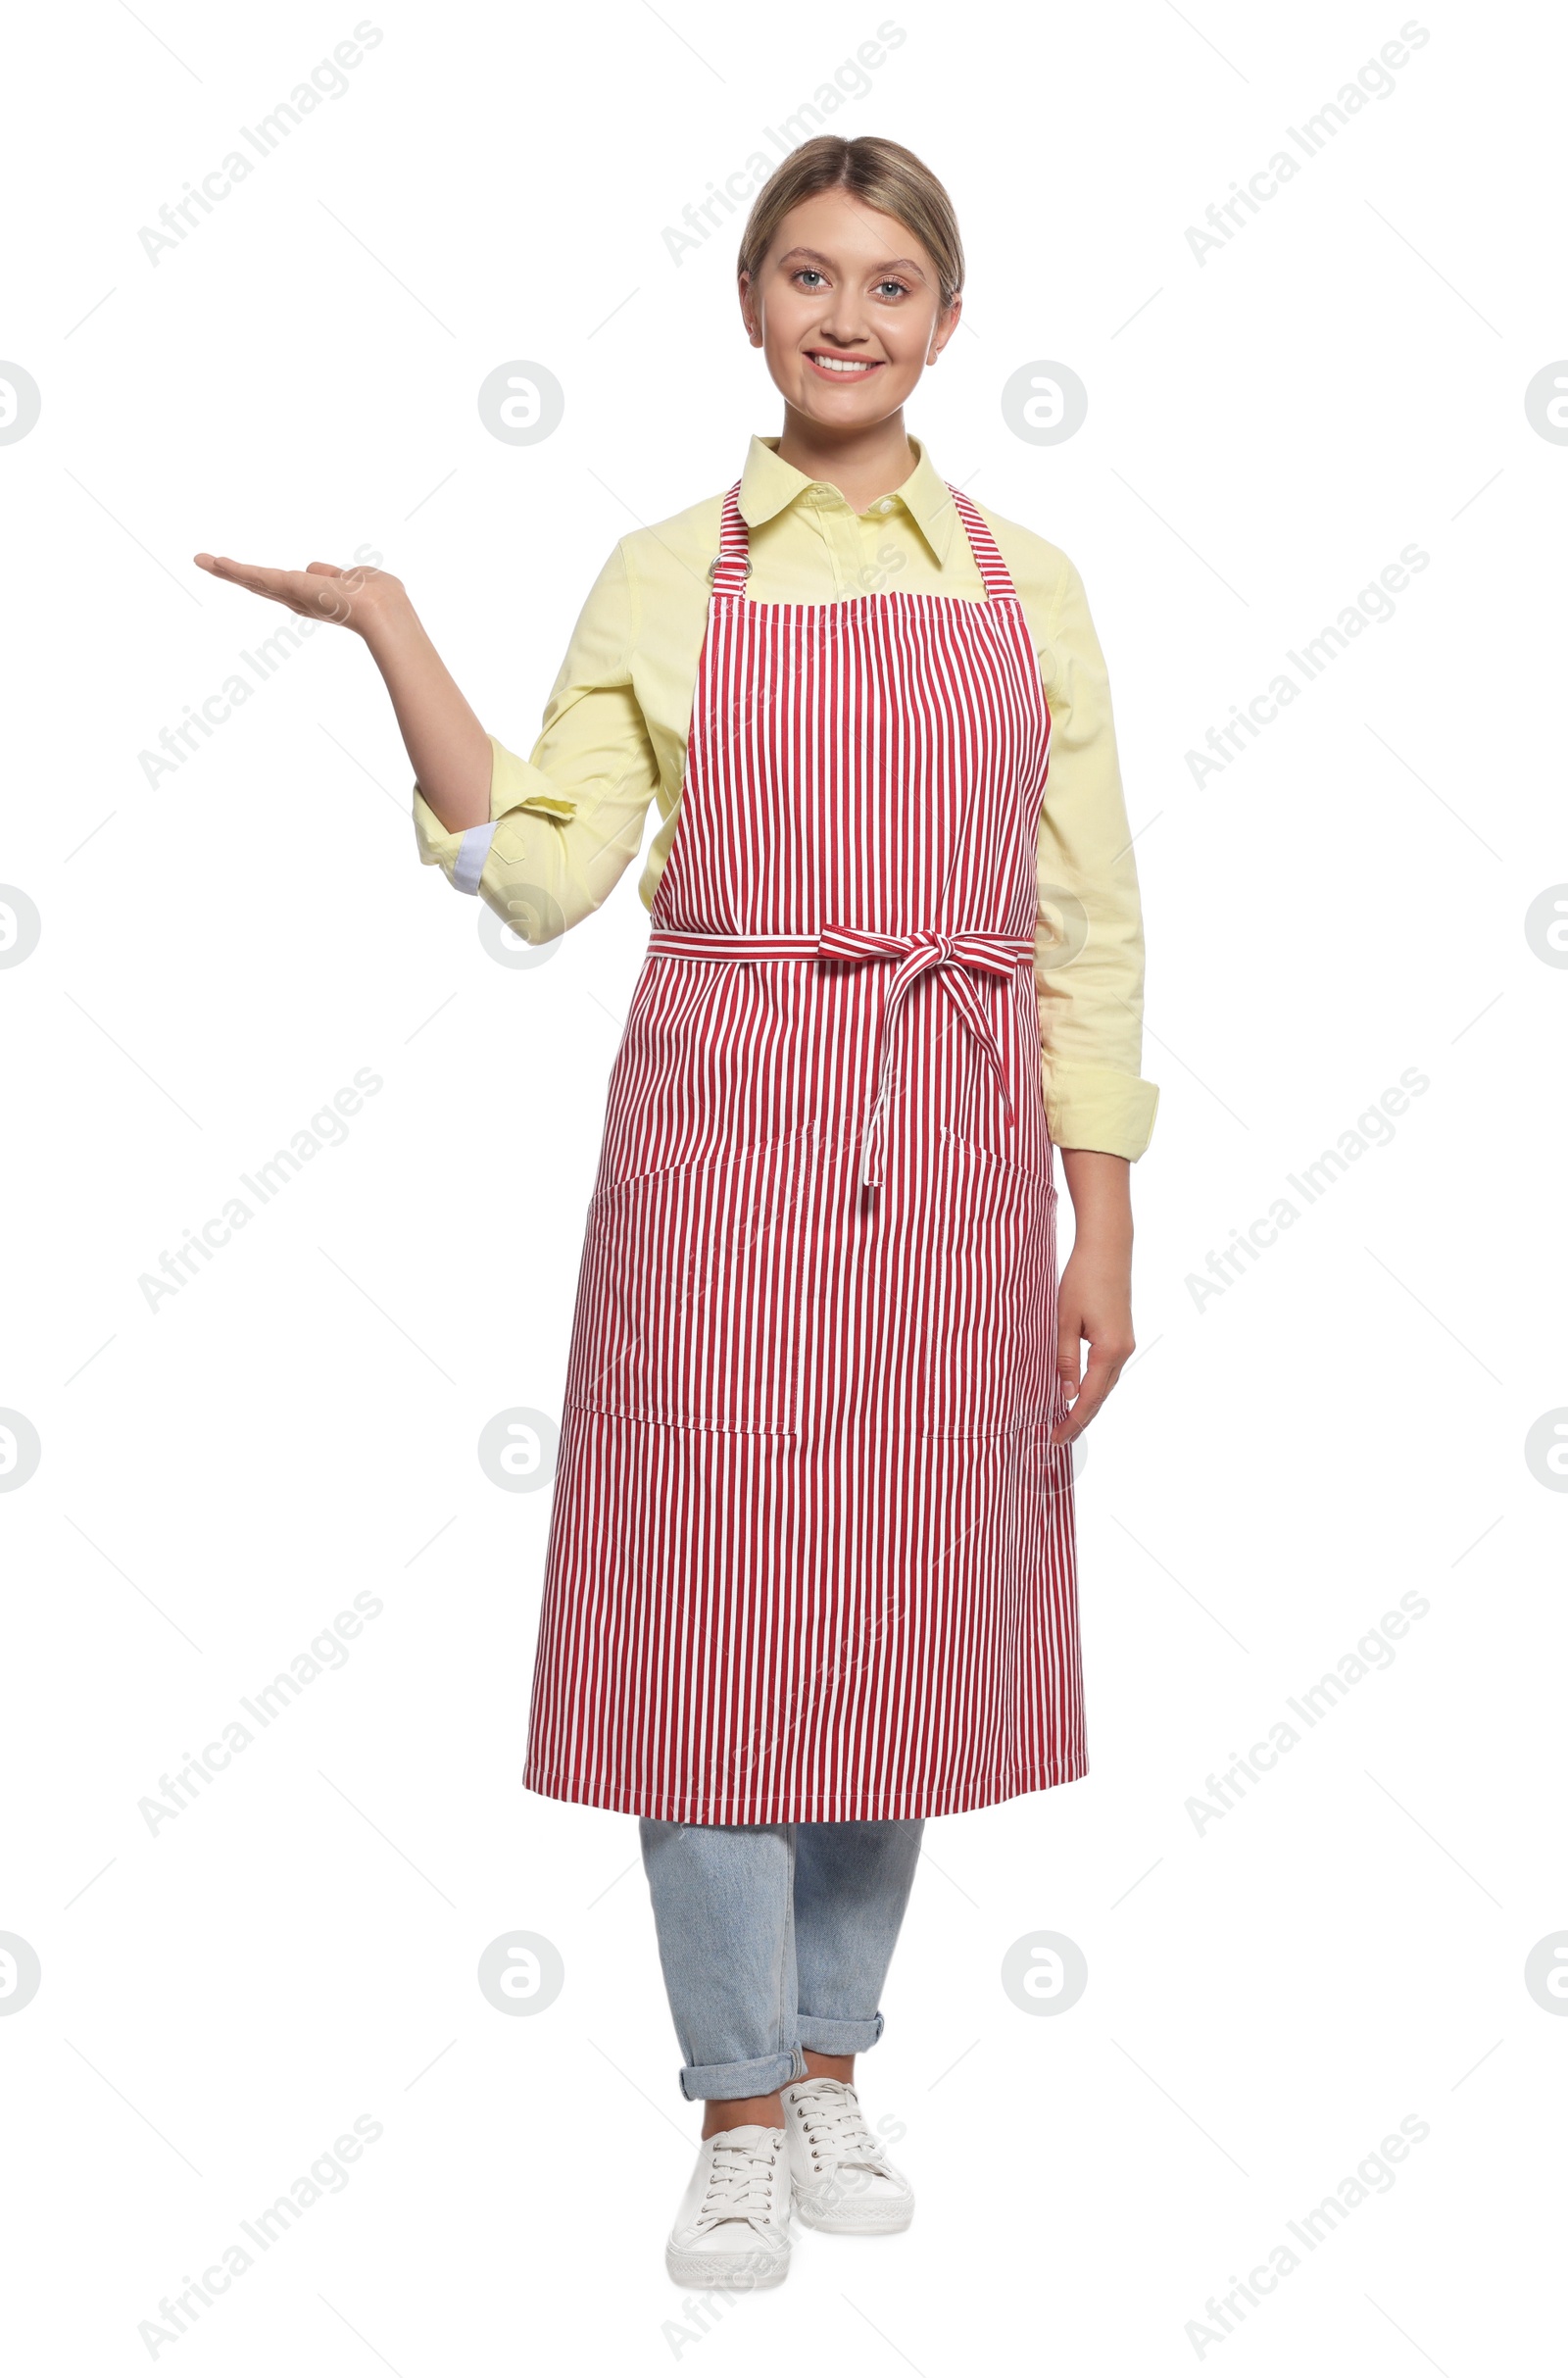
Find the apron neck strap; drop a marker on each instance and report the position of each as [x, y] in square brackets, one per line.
[994, 573]
[730, 567]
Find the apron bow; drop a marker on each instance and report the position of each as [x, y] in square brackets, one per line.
[946, 955]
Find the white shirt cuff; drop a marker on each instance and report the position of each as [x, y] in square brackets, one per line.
[473, 852]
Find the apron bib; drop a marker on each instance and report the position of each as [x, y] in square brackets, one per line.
[810, 1555]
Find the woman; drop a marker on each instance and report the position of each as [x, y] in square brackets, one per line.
[810, 1568]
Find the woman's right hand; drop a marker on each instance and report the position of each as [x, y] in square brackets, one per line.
[363, 599]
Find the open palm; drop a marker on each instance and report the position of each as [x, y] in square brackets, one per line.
[349, 597]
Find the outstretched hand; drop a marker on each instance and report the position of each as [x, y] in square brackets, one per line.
[359, 598]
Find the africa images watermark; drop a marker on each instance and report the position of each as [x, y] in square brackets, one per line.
[1373, 1649]
[1373, 605]
[328, 1650]
[326, 1128]
[1374, 80]
[178, 2314]
[1373, 2175]
[180, 217]
[850, 81]
[1372, 1128]
[177, 744]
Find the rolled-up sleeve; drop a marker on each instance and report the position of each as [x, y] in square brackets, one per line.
[565, 822]
[1089, 938]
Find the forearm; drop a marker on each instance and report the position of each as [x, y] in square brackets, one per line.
[449, 751]
[1101, 1189]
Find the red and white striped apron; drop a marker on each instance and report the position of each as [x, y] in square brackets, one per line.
[811, 1554]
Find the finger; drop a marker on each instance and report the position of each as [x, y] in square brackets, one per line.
[334, 600]
[254, 575]
[1070, 1425]
[295, 590]
[1069, 1359]
[1098, 1380]
[1099, 1377]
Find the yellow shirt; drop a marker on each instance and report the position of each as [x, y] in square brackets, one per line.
[566, 822]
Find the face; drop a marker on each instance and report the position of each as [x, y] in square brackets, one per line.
[847, 309]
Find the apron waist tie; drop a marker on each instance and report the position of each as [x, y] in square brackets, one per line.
[946, 955]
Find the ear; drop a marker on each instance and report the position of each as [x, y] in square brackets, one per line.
[945, 324]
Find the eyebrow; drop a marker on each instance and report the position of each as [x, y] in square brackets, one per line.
[904, 264]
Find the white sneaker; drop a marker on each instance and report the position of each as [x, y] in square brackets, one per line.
[733, 2225]
[842, 2179]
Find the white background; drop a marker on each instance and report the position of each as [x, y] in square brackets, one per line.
[219, 953]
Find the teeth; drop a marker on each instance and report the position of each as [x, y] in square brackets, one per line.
[831, 363]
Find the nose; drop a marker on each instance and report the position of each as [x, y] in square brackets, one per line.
[843, 324]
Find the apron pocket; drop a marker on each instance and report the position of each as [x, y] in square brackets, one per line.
[692, 1283]
[981, 1154]
[993, 1290]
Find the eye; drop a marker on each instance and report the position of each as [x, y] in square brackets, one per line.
[898, 287]
[807, 273]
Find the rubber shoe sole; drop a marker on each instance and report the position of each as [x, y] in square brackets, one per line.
[690, 2266]
[869, 2216]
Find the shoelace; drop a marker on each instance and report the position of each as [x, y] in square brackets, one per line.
[739, 2184]
[830, 2115]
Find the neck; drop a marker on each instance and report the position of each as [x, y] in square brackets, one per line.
[862, 463]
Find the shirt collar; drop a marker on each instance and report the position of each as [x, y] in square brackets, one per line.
[768, 484]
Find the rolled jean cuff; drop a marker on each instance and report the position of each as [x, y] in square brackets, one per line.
[757, 2077]
[838, 2035]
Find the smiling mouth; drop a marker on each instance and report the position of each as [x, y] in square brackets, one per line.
[841, 367]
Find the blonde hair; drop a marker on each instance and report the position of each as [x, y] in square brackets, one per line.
[886, 176]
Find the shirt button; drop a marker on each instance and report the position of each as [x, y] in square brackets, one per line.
[886, 504]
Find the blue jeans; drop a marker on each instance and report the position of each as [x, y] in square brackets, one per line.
[773, 1939]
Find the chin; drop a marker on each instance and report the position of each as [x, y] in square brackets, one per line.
[867, 401]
